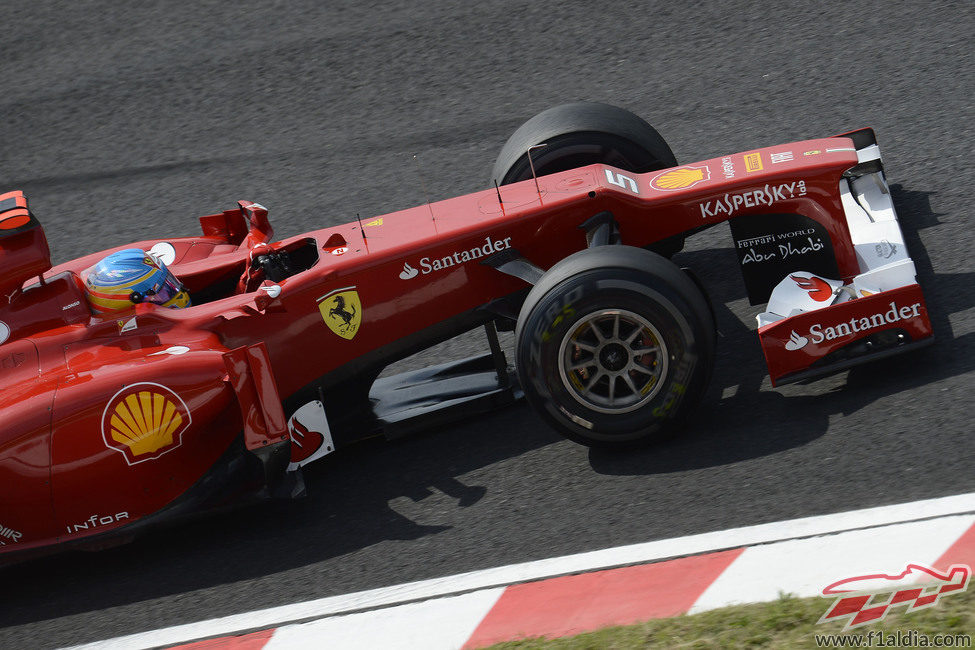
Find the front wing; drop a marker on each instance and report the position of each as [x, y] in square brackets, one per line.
[814, 325]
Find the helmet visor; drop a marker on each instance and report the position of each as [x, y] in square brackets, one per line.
[169, 287]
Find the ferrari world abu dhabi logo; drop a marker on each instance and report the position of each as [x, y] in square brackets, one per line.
[144, 421]
[866, 599]
[342, 311]
[680, 178]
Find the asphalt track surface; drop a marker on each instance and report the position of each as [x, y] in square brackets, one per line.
[124, 121]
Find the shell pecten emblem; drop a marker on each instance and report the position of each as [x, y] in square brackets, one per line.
[144, 421]
[341, 310]
[680, 178]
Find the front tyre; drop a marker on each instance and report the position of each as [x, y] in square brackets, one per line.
[614, 346]
[581, 134]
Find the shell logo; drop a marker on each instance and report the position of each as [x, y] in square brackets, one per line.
[144, 421]
[680, 178]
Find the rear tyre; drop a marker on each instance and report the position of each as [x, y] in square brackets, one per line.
[614, 346]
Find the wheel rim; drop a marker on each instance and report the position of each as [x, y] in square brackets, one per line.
[613, 361]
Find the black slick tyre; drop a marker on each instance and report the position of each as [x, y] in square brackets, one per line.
[581, 134]
[614, 346]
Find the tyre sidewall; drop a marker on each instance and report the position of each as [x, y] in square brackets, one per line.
[560, 308]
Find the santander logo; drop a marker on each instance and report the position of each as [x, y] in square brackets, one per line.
[455, 258]
[818, 332]
[408, 272]
[796, 342]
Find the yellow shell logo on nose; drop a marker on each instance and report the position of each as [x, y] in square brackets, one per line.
[144, 421]
[680, 178]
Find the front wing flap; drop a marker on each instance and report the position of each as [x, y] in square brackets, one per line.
[827, 340]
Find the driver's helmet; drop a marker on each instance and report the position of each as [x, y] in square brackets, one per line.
[132, 276]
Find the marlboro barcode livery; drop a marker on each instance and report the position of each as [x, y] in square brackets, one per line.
[170, 376]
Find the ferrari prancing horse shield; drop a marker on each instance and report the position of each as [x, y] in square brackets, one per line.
[342, 311]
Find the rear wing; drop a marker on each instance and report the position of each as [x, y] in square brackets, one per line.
[15, 217]
[24, 252]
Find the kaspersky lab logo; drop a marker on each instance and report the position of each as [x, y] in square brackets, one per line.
[866, 599]
[818, 332]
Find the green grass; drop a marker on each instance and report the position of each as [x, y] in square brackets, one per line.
[785, 623]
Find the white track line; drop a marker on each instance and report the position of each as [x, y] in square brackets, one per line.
[437, 624]
[528, 571]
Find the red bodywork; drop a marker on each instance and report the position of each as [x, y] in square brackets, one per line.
[233, 367]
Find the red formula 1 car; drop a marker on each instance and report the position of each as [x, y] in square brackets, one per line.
[112, 424]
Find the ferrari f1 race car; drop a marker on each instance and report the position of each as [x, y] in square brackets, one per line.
[113, 423]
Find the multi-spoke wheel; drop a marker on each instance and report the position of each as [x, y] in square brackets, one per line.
[612, 360]
[614, 345]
